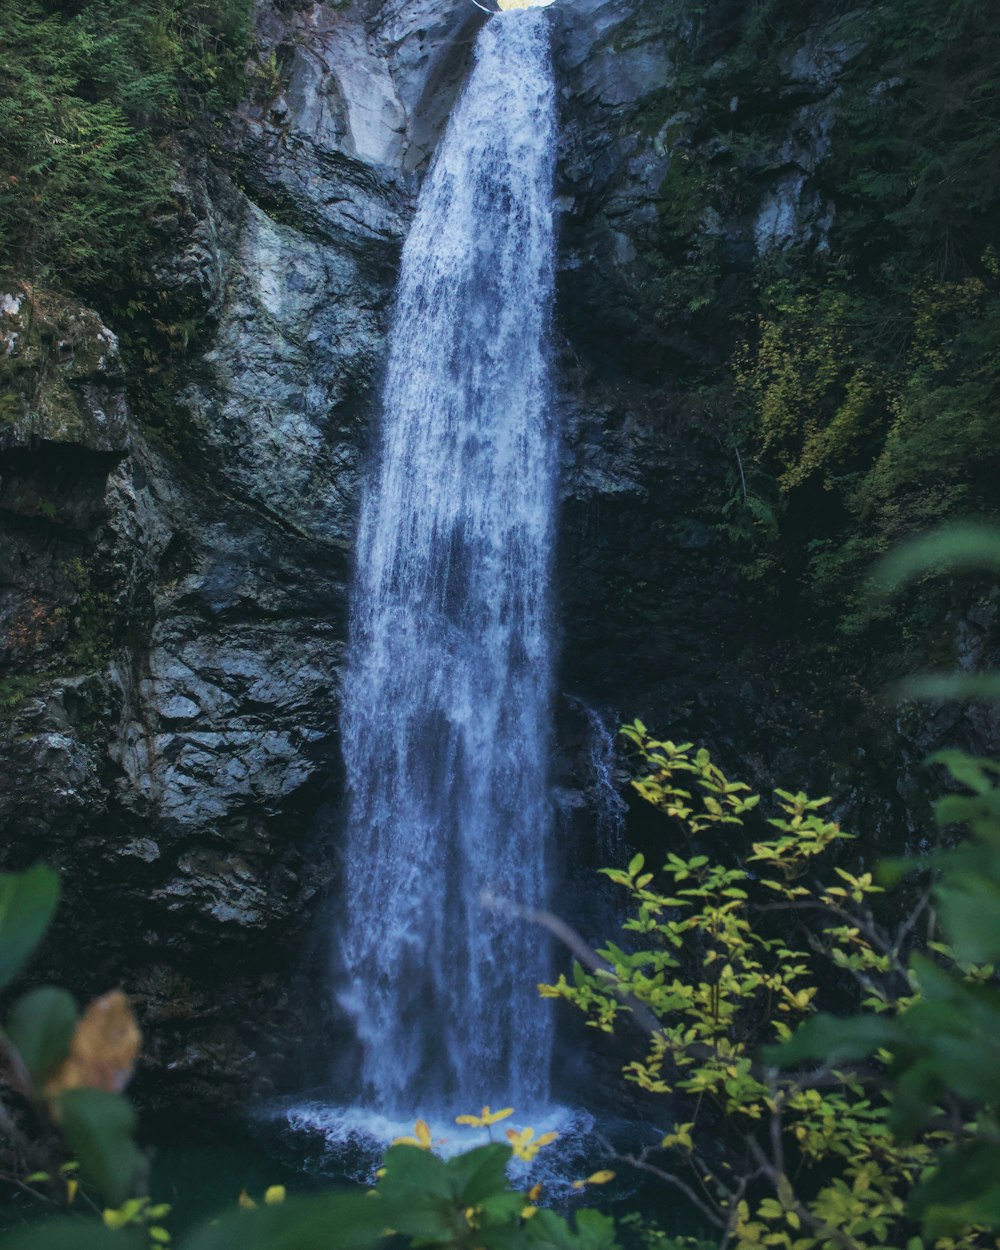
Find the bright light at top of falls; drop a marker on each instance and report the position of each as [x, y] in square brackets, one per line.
[504, 6]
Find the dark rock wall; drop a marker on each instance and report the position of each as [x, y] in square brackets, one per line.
[173, 590]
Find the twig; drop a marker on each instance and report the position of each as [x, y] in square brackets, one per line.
[739, 461]
[575, 943]
[640, 1163]
[783, 1187]
[905, 928]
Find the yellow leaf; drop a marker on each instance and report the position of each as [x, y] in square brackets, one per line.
[245, 1201]
[535, 1192]
[528, 1212]
[600, 1178]
[274, 1194]
[103, 1050]
[72, 1185]
[485, 1118]
[421, 1140]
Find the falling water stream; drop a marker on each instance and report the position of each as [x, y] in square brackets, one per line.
[446, 699]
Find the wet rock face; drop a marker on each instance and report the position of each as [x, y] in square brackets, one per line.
[173, 592]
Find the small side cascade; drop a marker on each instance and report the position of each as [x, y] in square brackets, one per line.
[608, 805]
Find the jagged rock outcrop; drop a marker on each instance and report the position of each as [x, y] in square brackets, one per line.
[173, 584]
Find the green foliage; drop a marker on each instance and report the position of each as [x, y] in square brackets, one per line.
[69, 1233]
[809, 382]
[867, 370]
[40, 1027]
[98, 1126]
[64, 1066]
[88, 94]
[711, 955]
[28, 902]
[920, 165]
[944, 1050]
[92, 622]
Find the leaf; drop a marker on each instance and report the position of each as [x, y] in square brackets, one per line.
[98, 1127]
[350, 1221]
[479, 1174]
[411, 1171]
[831, 1038]
[951, 687]
[956, 547]
[418, 1189]
[41, 1027]
[71, 1234]
[600, 1178]
[593, 1231]
[104, 1048]
[964, 1189]
[28, 901]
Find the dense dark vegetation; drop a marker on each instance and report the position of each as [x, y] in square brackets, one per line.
[99, 102]
[864, 378]
[95, 97]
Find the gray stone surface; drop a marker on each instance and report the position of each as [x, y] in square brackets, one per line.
[173, 592]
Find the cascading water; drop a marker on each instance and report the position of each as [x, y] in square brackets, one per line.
[605, 800]
[446, 697]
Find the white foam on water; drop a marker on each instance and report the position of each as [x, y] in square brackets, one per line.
[355, 1140]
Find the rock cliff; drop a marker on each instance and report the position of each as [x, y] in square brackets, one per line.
[173, 584]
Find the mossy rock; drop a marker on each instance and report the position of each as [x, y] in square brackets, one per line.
[61, 377]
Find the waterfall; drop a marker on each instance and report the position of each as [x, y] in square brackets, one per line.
[446, 697]
[608, 805]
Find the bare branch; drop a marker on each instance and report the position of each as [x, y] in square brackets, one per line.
[575, 943]
[640, 1163]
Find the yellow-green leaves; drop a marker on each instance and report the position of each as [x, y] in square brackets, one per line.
[421, 1137]
[712, 955]
[524, 1143]
[486, 1117]
[141, 1213]
[595, 1178]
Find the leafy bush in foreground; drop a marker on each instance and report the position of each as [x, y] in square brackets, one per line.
[825, 1156]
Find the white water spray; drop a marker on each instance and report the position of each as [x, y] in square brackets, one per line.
[446, 700]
